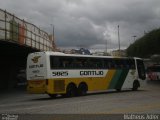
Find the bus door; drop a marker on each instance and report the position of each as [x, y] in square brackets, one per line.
[141, 69]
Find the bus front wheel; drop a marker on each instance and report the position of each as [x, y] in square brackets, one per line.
[136, 85]
[53, 95]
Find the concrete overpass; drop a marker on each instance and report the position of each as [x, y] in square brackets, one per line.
[18, 38]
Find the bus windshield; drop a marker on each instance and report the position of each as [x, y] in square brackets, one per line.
[141, 69]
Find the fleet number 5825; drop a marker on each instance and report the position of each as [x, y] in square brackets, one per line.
[60, 73]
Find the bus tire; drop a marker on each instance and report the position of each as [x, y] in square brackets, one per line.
[118, 90]
[71, 90]
[53, 95]
[136, 85]
[82, 89]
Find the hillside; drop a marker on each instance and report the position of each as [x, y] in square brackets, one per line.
[146, 46]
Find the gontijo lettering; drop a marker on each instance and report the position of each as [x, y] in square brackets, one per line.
[86, 73]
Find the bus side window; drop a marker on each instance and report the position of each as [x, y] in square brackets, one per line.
[54, 62]
[61, 65]
[122, 64]
[96, 63]
[127, 65]
[110, 64]
[76, 63]
[131, 63]
[113, 64]
[118, 64]
[64, 64]
[106, 63]
[88, 64]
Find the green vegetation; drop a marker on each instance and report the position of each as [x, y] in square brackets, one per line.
[146, 46]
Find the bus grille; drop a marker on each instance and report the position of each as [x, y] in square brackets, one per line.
[59, 85]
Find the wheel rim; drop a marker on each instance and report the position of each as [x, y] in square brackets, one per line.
[135, 86]
[82, 90]
[71, 91]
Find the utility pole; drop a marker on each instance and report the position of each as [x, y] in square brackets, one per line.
[52, 32]
[118, 39]
[106, 46]
[53, 38]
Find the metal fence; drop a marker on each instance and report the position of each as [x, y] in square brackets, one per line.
[13, 29]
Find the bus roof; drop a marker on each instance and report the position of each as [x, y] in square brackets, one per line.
[77, 55]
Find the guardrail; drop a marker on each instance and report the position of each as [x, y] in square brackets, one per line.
[14, 29]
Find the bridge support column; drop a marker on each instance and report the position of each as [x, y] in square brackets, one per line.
[8, 73]
[12, 81]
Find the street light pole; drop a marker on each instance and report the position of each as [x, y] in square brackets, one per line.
[52, 32]
[106, 46]
[118, 38]
[134, 37]
[53, 38]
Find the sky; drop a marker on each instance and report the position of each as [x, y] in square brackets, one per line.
[92, 24]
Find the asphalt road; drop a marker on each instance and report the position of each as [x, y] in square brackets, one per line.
[145, 100]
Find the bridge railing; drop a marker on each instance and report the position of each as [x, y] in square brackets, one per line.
[13, 29]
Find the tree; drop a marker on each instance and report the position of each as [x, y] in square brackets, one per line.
[146, 46]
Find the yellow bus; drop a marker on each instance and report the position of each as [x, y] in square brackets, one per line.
[55, 73]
